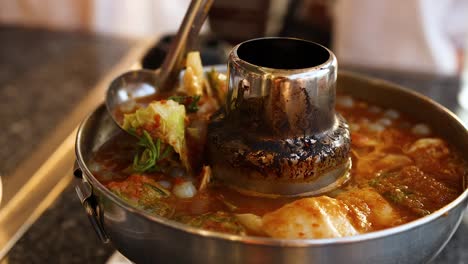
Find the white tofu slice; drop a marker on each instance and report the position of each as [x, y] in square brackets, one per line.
[379, 213]
[315, 217]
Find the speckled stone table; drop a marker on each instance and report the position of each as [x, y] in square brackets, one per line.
[35, 64]
[43, 76]
[62, 234]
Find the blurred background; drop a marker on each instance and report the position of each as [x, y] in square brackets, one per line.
[426, 36]
[57, 58]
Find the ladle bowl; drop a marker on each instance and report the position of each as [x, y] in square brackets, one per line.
[127, 88]
[123, 92]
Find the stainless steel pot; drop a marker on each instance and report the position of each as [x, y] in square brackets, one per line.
[144, 238]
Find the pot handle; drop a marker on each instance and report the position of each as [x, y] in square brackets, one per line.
[84, 191]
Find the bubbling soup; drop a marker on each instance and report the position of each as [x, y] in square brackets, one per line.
[400, 171]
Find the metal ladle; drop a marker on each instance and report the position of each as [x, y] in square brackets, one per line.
[128, 87]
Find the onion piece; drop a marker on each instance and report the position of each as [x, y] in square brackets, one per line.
[345, 101]
[375, 127]
[384, 121]
[205, 177]
[392, 114]
[184, 190]
[421, 130]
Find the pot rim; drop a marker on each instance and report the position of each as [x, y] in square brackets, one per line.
[263, 69]
[266, 241]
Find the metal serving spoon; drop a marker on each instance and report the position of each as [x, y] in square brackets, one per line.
[126, 88]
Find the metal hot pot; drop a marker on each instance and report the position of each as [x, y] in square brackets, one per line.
[145, 238]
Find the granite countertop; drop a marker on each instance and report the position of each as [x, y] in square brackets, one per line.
[37, 63]
[43, 77]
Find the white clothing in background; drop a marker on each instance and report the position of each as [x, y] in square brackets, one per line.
[403, 35]
[139, 17]
[134, 18]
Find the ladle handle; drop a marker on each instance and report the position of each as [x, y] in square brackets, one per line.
[186, 37]
[197, 25]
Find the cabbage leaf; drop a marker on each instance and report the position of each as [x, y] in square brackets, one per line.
[163, 120]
